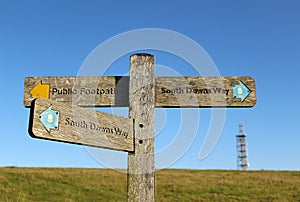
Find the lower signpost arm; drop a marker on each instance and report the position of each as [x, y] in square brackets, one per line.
[141, 165]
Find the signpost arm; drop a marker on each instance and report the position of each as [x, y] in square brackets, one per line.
[141, 165]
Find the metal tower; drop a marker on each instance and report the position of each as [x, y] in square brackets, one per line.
[242, 160]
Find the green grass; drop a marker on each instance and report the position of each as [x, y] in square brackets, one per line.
[74, 184]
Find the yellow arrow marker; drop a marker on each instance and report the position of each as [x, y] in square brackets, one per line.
[40, 91]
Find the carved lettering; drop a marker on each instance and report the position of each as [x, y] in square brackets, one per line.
[189, 90]
[82, 91]
[96, 127]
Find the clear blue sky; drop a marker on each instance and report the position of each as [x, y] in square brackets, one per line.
[255, 38]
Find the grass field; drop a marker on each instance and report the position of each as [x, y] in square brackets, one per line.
[74, 184]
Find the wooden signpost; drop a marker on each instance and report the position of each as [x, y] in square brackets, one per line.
[54, 116]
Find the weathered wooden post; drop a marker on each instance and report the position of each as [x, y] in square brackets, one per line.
[141, 165]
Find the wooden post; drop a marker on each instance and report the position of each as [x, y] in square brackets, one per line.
[141, 165]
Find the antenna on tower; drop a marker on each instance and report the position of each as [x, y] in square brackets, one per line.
[242, 158]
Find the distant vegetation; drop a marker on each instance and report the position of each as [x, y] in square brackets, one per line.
[74, 184]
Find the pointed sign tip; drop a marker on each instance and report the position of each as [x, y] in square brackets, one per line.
[49, 119]
[241, 91]
[40, 90]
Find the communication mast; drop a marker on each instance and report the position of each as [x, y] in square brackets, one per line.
[242, 158]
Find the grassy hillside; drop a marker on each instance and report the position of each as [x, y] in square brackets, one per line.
[65, 184]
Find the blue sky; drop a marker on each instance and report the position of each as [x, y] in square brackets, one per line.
[255, 38]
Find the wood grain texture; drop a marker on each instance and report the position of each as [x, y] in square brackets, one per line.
[83, 126]
[141, 165]
[169, 91]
